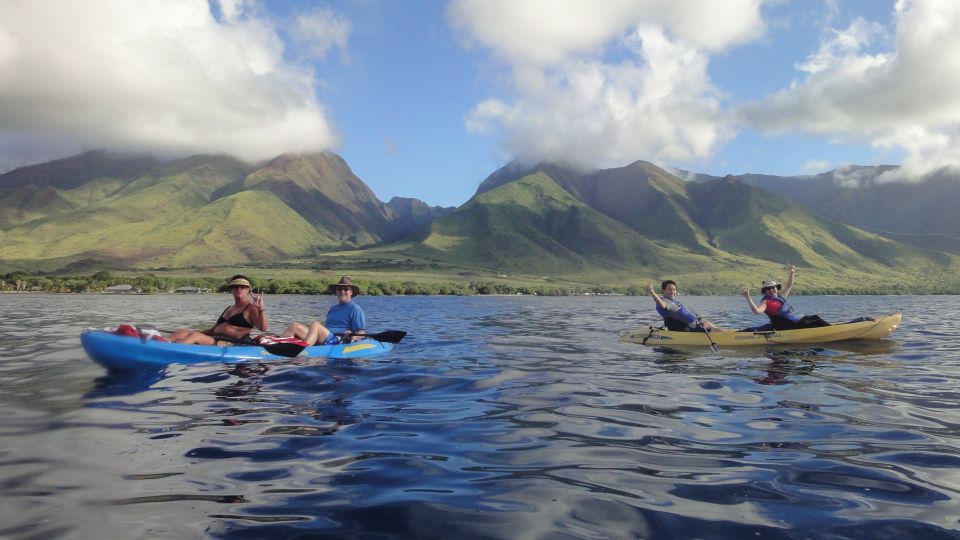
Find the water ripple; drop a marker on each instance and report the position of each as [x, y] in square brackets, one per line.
[496, 417]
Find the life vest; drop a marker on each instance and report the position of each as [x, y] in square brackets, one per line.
[676, 317]
[778, 308]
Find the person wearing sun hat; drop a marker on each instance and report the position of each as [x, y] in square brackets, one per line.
[344, 318]
[235, 323]
[774, 305]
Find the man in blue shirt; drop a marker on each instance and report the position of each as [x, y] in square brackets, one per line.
[344, 318]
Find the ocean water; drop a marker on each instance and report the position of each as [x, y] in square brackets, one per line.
[497, 417]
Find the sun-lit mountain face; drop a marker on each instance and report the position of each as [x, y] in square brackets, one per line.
[97, 209]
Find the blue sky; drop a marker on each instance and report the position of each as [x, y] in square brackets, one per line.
[426, 98]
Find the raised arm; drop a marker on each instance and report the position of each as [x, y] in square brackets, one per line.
[791, 269]
[656, 297]
[258, 314]
[753, 307]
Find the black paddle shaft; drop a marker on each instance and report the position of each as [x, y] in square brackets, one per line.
[388, 336]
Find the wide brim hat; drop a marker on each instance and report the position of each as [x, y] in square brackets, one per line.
[345, 281]
[239, 282]
[767, 283]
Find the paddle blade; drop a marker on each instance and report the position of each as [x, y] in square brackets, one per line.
[281, 346]
[389, 336]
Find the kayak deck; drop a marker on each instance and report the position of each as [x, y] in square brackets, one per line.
[867, 329]
[127, 353]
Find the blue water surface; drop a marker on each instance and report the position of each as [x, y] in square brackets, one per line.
[496, 417]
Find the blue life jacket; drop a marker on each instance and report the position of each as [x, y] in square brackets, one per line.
[677, 317]
[779, 309]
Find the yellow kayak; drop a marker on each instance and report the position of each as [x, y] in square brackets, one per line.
[868, 328]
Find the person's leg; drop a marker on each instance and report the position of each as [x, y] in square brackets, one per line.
[711, 327]
[197, 338]
[813, 321]
[180, 335]
[318, 333]
[296, 330]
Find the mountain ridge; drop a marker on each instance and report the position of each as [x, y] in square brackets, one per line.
[152, 213]
[542, 219]
[720, 220]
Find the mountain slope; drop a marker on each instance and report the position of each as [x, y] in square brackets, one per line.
[62, 185]
[745, 220]
[533, 225]
[723, 219]
[919, 213]
[411, 214]
[322, 189]
[200, 210]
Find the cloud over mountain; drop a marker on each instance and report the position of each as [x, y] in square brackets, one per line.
[164, 76]
[600, 83]
[900, 93]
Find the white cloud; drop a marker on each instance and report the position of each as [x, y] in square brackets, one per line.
[153, 75]
[322, 30]
[843, 43]
[907, 98]
[231, 9]
[574, 103]
[815, 166]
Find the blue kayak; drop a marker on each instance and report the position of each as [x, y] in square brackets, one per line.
[126, 353]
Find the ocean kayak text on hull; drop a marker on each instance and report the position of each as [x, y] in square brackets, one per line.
[864, 329]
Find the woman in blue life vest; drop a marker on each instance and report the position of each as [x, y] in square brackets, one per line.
[675, 315]
[774, 304]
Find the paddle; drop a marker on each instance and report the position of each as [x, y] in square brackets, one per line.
[272, 345]
[389, 336]
[713, 346]
[280, 346]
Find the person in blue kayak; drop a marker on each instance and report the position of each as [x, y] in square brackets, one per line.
[774, 304]
[344, 318]
[676, 316]
[235, 323]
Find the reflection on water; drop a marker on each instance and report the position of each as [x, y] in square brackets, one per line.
[496, 417]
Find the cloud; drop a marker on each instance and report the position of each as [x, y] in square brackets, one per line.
[159, 76]
[323, 30]
[815, 166]
[906, 97]
[601, 83]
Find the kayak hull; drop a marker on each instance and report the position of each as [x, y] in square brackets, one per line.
[868, 329]
[129, 353]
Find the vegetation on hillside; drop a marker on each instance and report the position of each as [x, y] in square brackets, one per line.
[294, 220]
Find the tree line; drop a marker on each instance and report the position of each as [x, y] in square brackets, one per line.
[152, 284]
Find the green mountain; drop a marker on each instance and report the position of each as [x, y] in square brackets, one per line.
[549, 218]
[413, 213]
[919, 213]
[33, 192]
[98, 210]
[533, 225]
[198, 211]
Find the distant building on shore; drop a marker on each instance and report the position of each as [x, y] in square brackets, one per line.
[123, 288]
[189, 289]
